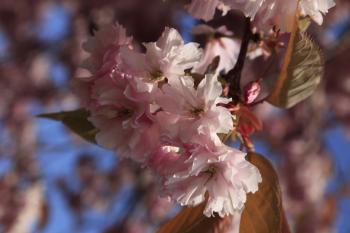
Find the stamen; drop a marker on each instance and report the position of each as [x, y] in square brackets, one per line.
[157, 76]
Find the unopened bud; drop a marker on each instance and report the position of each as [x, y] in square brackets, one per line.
[251, 92]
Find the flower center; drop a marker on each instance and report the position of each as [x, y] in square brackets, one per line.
[211, 171]
[124, 113]
[120, 113]
[157, 76]
[197, 111]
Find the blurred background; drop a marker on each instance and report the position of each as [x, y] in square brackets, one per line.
[51, 181]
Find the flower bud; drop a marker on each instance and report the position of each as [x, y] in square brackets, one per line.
[251, 91]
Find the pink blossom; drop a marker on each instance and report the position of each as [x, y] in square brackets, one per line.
[106, 38]
[266, 13]
[171, 56]
[163, 159]
[196, 111]
[248, 7]
[205, 9]
[144, 80]
[103, 59]
[124, 121]
[226, 48]
[282, 13]
[123, 129]
[223, 173]
[315, 8]
[276, 13]
[251, 92]
[168, 58]
[120, 113]
[145, 108]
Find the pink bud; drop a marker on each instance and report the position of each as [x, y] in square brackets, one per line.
[251, 92]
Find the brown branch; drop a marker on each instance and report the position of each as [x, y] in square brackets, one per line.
[233, 77]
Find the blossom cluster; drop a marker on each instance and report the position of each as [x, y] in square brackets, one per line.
[147, 107]
[265, 13]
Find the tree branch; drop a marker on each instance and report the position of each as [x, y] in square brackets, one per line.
[233, 77]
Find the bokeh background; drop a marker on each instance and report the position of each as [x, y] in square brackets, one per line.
[51, 181]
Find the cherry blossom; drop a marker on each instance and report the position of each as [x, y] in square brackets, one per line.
[248, 7]
[276, 13]
[205, 9]
[147, 108]
[315, 8]
[103, 50]
[169, 57]
[118, 111]
[281, 13]
[266, 14]
[223, 174]
[197, 110]
[124, 125]
[223, 46]
[251, 91]
[107, 38]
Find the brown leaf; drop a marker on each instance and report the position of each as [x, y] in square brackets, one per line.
[263, 212]
[301, 72]
[77, 121]
[304, 23]
[192, 220]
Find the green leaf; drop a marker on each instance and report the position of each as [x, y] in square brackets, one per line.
[304, 23]
[301, 72]
[263, 212]
[77, 121]
[192, 220]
